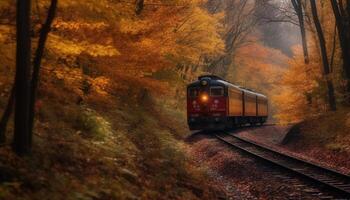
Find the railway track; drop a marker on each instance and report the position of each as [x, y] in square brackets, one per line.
[334, 182]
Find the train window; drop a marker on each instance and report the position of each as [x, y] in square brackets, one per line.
[193, 92]
[216, 91]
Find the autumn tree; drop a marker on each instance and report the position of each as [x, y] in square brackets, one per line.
[342, 18]
[25, 86]
[318, 83]
[324, 56]
[240, 20]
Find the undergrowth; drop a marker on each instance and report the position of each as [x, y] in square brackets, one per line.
[105, 148]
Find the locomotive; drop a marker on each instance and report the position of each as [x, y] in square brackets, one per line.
[214, 103]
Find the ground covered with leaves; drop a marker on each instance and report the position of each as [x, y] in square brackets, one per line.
[325, 139]
[111, 148]
[241, 176]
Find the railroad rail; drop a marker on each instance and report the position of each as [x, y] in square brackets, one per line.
[328, 179]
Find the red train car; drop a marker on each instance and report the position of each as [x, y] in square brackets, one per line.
[213, 103]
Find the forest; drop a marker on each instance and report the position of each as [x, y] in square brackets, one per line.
[93, 93]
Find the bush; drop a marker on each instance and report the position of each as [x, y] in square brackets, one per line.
[92, 124]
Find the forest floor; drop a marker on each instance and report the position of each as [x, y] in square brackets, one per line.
[128, 146]
[323, 140]
[241, 176]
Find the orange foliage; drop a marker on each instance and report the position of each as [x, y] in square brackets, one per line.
[298, 98]
[259, 66]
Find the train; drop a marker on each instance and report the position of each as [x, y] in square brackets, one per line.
[214, 103]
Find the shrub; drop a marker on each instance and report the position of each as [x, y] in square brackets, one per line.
[92, 124]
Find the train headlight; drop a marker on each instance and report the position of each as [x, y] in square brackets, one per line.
[204, 98]
[204, 82]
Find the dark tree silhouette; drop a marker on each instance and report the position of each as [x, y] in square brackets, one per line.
[240, 21]
[342, 17]
[37, 62]
[298, 8]
[21, 144]
[322, 42]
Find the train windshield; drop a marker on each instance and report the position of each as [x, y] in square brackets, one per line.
[216, 91]
[193, 92]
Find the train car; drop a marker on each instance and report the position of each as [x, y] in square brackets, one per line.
[213, 103]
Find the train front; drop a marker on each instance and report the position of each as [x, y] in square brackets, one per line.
[206, 104]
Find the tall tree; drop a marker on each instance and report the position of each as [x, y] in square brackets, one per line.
[240, 21]
[45, 29]
[298, 8]
[21, 143]
[342, 18]
[325, 62]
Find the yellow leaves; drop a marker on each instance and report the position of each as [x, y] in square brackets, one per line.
[260, 65]
[130, 26]
[100, 84]
[302, 77]
[292, 106]
[87, 5]
[75, 25]
[199, 34]
[299, 98]
[67, 47]
[74, 78]
[70, 77]
[100, 50]
[63, 46]
[182, 34]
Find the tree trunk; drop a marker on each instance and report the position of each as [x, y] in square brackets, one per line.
[322, 42]
[37, 63]
[21, 144]
[347, 49]
[334, 46]
[6, 116]
[343, 25]
[299, 10]
[331, 95]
